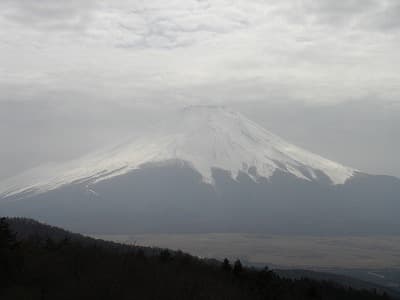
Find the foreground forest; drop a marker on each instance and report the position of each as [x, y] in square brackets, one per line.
[42, 262]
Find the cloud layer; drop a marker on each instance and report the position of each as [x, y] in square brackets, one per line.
[324, 51]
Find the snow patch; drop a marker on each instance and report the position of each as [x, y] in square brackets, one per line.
[206, 137]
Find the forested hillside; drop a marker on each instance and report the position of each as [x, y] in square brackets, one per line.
[42, 262]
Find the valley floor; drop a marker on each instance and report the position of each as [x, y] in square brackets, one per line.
[374, 259]
[366, 252]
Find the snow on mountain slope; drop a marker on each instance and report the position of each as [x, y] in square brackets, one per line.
[204, 136]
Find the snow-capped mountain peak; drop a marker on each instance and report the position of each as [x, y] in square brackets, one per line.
[205, 137]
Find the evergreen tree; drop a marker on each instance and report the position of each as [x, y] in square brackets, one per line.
[237, 267]
[7, 239]
[226, 266]
[165, 256]
[8, 256]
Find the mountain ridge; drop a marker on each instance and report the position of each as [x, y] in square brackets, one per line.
[205, 137]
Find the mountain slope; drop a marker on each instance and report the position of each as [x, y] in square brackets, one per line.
[207, 169]
[205, 137]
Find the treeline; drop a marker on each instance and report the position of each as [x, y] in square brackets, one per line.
[55, 264]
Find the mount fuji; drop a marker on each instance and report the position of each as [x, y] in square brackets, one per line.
[205, 169]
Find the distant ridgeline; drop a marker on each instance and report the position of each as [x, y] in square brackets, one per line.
[38, 261]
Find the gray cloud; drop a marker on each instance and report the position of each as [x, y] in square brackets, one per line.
[340, 12]
[378, 15]
[177, 21]
[386, 19]
[48, 14]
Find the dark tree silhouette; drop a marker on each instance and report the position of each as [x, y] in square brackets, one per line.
[226, 266]
[165, 255]
[237, 267]
[7, 238]
[9, 260]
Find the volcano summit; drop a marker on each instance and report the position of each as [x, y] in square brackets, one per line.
[205, 168]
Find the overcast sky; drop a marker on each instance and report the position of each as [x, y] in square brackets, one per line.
[323, 74]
